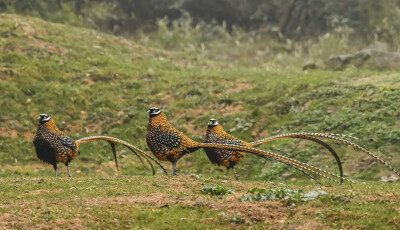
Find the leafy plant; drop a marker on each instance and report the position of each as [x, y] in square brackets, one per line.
[257, 194]
[216, 190]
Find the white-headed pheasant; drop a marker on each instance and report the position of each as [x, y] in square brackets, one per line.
[169, 144]
[216, 134]
[54, 146]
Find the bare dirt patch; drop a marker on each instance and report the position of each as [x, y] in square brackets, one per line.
[4, 131]
[8, 221]
[50, 47]
[237, 88]
[31, 33]
[94, 128]
[28, 135]
[11, 221]
[233, 109]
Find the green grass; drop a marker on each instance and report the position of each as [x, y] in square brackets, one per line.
[178, 202]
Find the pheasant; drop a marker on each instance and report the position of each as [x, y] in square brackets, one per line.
[169, 144]
[54, 146]
[216, 134]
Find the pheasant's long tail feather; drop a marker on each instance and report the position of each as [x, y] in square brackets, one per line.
[299, 135]
[147, 158]
[112, 144]
[269, 155]
[315, 170]
[134, 149]
[274, 156]
[341, 135]
[111, 141]
[299, 169]
[151, 165]
[333, 152]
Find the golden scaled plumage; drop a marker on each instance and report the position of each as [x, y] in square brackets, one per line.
[49, 142]
[62, 157]
[165, 141]
[169, 144]
[216, 134]
[54, 146]
[227, 158]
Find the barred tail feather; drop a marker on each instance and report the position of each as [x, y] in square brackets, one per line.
[115, 153]
[299, 169]
[134, 149]
[333, 152]
[299, 135]
[341, 135]
[274, 156]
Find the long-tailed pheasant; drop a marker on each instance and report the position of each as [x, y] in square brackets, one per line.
[169, 144]
[54, 146]
[216, 134]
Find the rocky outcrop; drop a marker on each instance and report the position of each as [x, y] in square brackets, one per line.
[368, 59]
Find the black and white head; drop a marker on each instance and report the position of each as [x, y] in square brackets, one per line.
[212, 123]
[43, 118]
[153, 111]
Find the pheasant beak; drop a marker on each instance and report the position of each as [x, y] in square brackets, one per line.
[148, 111]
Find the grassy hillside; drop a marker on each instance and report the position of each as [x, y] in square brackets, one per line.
[92, 83]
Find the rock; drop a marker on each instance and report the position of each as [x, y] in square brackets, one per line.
[390, 178]
[369, 59]
[120, 113]
[309, 65]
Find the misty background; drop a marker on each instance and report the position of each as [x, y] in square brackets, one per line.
[300, 33]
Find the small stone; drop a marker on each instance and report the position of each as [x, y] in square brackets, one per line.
[120, 114]
[390, 178]
[309, 65]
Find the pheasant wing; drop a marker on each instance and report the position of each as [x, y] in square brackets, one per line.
[171, 140]
[68, 142]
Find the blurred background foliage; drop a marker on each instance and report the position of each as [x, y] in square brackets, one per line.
[250, 32]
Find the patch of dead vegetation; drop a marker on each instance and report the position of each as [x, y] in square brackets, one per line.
[30, 32]
[124, 42]
[50, 47]
[236, 88]
[94, 128]
[5, 132]
[232, 109]
[40, 192]
[11, 221]
[388, 80]
[6, 73]
[28, 135]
